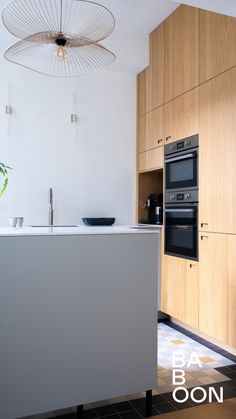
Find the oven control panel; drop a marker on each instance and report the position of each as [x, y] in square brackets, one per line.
[182, 145]
[181, 196]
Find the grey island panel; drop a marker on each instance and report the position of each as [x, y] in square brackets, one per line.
[77, 320]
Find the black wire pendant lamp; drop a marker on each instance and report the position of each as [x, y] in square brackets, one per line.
[59, 37]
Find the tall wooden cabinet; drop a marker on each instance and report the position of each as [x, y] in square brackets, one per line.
[218, 154]
[189, 88]
[181, 52]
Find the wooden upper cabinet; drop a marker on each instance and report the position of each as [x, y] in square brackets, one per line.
[217, 44]
[181, 116]
[142, 92]
[155, 128]
[151, 159]
[142, 133]
[217, 152]
[213, 285]
[155, 77]
[151, 130]
[181, 51]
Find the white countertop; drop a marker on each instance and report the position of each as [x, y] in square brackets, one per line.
[80, 230]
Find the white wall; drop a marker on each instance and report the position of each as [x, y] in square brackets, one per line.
[92, 176]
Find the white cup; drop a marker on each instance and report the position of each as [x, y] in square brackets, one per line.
[12, 221]
[16, 222]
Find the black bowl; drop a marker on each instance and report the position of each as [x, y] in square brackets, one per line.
[107, 221]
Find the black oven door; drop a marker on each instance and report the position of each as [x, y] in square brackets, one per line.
[181, 170]
[181, 231]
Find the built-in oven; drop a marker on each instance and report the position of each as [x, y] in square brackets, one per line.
[181, 224]
[181, 164]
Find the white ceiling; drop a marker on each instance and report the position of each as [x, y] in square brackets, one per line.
[135, 19]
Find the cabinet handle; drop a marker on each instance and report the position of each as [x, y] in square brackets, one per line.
[204, 224]
[192, 266]
[159, 141]
[204, 237]
[168, 138]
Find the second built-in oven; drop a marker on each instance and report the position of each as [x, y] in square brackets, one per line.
[181, 224]
[181, 235]
[181, 164]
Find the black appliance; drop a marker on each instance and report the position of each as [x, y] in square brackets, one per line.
[181, 164]
[154, 205]
[181, 224]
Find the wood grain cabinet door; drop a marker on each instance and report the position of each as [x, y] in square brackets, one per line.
[179, 289]
[142, 133]
[151, 159]
[217, 46]
[172, 269]
[232, 291]
[181, 52]
[188, 294]
[155, 128]
[142, 92]
[217, 152]
[181, 117]
[213, 285]
[155, 80]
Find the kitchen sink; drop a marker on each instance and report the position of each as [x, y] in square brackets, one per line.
[54, 226]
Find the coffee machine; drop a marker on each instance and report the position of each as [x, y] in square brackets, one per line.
[154, 205]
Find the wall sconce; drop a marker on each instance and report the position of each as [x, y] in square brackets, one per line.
[8, 109]
[74, 119]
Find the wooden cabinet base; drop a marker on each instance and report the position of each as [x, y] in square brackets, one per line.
[179, 289]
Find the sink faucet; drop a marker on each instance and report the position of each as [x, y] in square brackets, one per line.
[50, 206]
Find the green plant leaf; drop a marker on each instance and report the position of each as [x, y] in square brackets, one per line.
[4, 187]
[3, 172]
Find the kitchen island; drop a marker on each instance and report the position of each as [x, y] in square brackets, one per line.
[78, 311]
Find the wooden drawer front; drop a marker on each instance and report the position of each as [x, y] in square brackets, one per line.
[217, 44]
[151, 159]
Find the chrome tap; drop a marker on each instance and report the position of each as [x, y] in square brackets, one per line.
[50, 206]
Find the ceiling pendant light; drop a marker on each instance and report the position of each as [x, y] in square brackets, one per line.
[59, 37]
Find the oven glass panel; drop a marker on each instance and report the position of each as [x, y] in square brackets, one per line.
[181, 231]
[181, 173]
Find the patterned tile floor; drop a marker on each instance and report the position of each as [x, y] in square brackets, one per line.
[218, 369]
